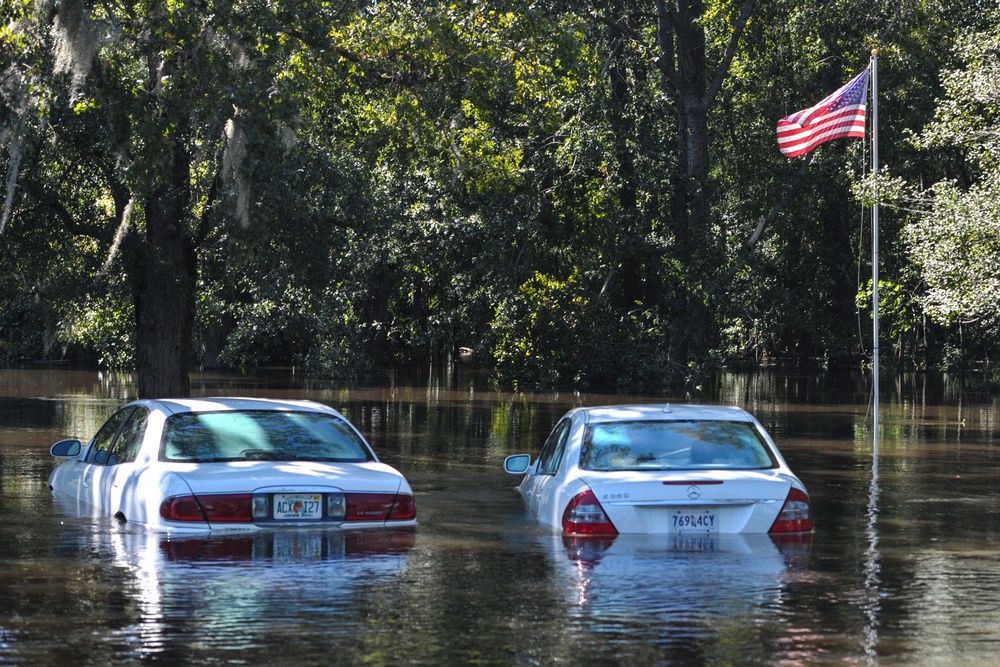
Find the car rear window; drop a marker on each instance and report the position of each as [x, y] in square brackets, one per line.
[261, 435]
[671, 445]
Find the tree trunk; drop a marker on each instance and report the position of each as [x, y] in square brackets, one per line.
[682, 40]
[631, 261]
[164, 276]
[682, 61]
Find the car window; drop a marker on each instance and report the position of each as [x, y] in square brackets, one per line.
[269, 435]
[126, 445]
[102, 442]
[664, 445]
[552, 450]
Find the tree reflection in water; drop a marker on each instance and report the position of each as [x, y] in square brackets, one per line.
[904, 566]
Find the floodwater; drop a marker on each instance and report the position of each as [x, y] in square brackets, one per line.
[903, 568]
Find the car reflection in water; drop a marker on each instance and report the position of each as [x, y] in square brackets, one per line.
[684, 577]
[304, 545]
[250, 590]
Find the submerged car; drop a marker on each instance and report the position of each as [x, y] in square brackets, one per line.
[231, 464]
[662, 469]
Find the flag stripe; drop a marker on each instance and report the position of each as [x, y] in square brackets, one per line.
[838, 115]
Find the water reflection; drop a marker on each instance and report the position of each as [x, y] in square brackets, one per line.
[872, 579]
[673, 574]
[904, 567]
[241, 590]
[715, 599]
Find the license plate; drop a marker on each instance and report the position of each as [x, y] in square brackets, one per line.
[298, 545]
[298, 506]
[694, 542]
[694, 521]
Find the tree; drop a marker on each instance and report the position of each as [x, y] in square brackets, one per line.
[467, 119]
[956, 244]
[156, 105]
[554, 184]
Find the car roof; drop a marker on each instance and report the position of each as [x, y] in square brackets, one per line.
[223, 404]
[664, 412]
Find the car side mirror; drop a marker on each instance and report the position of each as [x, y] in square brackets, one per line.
[66, 449]
[517, 464]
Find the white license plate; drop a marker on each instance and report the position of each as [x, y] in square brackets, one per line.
[298, 506]
[694, 521]
[694, 541]
[297, 544]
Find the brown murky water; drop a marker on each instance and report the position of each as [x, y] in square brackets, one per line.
[903, 567]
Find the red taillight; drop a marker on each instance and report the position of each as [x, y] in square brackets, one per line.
[405, 508]
[585, 516]
[182, 508]
[796, 515]
[380, 507]
[222, 508]
[239, 508]
[369, 506]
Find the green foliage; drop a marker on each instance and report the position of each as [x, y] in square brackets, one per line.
[361, 184]
[558, 333]
[343, 344]
[105, 325]
[956, 244]
[968, 116]
[22, 330]
[957, 249]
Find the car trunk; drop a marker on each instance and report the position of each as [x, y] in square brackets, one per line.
[236, 494]
[691, 502]
[249, 476]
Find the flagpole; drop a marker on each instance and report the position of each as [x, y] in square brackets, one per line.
[875, 373]
[872, 566]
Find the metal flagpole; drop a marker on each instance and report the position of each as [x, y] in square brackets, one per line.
[872, 557]
[874, 66]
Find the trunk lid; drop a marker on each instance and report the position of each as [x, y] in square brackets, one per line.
[249, 476]
[694, 501]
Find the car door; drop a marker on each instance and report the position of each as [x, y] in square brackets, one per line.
[96, 471]
[539, 487]
[120, 466]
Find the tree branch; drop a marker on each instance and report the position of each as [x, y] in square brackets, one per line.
[665, 61]
[727, 58]
[750, 245]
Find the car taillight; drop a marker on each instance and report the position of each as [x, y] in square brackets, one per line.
[246, 508]
[405, 508]
[380, 507]
[223, 508]
[585, 516]
[182, 508]
[795, 516]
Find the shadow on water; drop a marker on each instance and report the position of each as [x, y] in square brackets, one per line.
[904, 566]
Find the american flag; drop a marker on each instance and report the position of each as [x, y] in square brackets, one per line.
[840, 115]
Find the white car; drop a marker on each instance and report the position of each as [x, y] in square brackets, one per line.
[662, 469]
[231, 464]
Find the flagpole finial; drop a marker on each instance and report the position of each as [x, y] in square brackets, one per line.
[874, 52]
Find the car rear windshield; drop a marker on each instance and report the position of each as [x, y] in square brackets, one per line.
[261, 435]
[670, 445]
